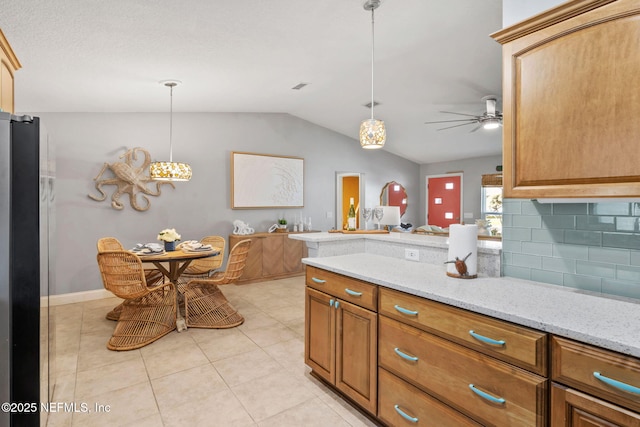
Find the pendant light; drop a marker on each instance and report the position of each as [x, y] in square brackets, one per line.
[372, 131]
[170, 171]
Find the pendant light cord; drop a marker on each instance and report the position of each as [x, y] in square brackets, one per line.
[372, 45]
[171, 123]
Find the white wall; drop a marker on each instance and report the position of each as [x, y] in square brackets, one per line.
[202, 206]
[472, 170]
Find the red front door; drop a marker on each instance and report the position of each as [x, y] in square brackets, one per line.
[443, 206]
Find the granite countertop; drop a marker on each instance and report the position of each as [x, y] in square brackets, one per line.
[486, 246]
[606, 322]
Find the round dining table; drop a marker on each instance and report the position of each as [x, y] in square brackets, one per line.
[177, 261]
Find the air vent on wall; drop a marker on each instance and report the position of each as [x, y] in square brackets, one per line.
[299, 86]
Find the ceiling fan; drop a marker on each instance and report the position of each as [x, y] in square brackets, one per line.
[490, 119]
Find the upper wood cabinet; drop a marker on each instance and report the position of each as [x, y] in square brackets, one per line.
[8, 65]
[571, 101]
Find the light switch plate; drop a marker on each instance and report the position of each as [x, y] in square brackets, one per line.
[412, 254]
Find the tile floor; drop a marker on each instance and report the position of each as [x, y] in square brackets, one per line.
[252, 375]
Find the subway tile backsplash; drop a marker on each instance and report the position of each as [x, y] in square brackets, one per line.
[587, 246]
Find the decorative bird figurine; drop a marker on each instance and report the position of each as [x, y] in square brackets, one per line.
[461, 266]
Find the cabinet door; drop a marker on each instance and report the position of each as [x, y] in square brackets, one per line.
[356, 354]
[571, 408]
[570, 119]
[273, 255]
[319, 337]
[293, 254]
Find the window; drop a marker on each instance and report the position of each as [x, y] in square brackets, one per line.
[491, 208]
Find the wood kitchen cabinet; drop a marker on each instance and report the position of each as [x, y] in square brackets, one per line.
[341, 335]
[570, 101]
[9, 64]
[592, 386]
[271, 256]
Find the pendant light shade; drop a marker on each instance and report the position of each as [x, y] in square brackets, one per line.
[170, 171]
[372, 132]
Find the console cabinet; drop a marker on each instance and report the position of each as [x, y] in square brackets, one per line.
[271, 256]
[570, 102]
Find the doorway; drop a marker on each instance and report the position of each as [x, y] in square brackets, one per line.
[444, 199]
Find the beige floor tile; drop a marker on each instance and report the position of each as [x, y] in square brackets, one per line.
[242, 376]
[288, 353]
[245, 367]
[93, 352]
[187, 386]
[257, 320]
[180, 359]
[111, 377]
[227, 345]
[269, 395]
[312, 413]
[122, 406]
[270, 335]
[221, 409]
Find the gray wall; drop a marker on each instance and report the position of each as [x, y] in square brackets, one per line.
[472, 170]
[202, 206]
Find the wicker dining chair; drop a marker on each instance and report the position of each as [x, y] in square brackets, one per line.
[205, 304]
[153, 276]
[148, 313]
[205, 267]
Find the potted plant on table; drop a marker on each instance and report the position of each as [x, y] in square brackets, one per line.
[282, 225]
[169, 236]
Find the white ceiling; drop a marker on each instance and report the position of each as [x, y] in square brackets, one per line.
[246, 55]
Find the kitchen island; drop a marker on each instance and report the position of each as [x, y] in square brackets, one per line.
[403, 341]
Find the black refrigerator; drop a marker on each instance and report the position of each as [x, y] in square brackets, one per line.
[26, 200]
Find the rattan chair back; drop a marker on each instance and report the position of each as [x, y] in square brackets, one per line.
[109, 244]
[235, 265]
[205, 265]
[122, 274]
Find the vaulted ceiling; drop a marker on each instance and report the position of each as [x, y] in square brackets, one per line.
[247, 55]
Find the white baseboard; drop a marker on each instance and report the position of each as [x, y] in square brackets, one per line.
[74, 297]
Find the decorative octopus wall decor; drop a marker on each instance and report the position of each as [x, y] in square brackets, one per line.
[129, 178]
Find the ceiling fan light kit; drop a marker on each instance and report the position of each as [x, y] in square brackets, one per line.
[372, 132]
[490, 119]
[170, 171]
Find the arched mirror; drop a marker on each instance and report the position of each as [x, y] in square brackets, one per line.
[394, 194]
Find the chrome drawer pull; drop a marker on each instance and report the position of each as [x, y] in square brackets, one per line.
[330, 303]
[315, 279]
[337, 304]
[405, 355]
[485, 339]
[405, 415]
[486, 396]
[405, 311]
[617, 384]
[353, 293]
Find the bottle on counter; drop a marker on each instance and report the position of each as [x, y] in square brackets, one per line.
[351, 216]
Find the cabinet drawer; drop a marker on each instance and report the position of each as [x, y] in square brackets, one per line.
[515, 344]
[603, 373]
[348, 289]
[488, 390]
[401, 404]
[570, 407]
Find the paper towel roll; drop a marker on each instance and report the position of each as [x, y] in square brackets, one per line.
[462, 240]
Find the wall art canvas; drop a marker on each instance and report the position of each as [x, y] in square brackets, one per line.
[266, 181]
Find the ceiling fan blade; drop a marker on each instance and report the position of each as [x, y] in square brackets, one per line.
[450, 127]
[460, 114]
[448, 121]
[476, 128]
